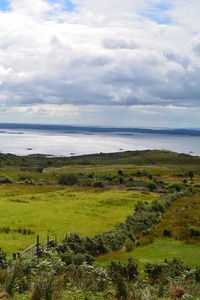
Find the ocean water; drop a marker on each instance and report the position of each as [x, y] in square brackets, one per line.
[69, 141]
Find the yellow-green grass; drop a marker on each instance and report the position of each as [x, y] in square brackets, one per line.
[61, 210]
[180, 217]
[168, 174]
[156, 252]
[128, 169]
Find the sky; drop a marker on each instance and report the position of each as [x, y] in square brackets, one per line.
[130, 63]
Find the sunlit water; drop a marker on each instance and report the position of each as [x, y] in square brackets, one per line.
[25, 142]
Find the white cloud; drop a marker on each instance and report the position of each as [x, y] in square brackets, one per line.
[35, 9]
[104, 52]
[53, 109]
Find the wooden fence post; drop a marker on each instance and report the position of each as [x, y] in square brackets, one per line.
[38, 245]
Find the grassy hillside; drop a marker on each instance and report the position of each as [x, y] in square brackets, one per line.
[146, 157]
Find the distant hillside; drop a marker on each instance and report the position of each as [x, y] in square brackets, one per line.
[147, 157]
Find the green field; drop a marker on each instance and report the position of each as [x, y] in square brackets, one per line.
[60, 210]
[156, 252]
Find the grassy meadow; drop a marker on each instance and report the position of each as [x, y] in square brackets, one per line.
[57, 211]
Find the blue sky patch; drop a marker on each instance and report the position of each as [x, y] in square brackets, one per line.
[159, 12]
[3, 4]
[68, 4]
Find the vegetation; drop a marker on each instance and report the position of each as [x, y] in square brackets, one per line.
[53, 210]
[127, 226]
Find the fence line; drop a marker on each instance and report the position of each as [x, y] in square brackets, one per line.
[30, 251]
[34, 250]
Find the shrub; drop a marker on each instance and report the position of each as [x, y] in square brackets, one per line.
[121, 180]
[15, 276]
[5, 230]
[129, 245]
[158, 206]
[176, 187]
[194, 231]
[151, 186]
[47, 286]
[167, 233]
[68, 179]
[197, 274]
[67, 258]
[120, 173]
[128, 272]
[29, 181]
[98, 184]
[3, 261]
[139, 174]
[153, 271]
[184, 181]
[89, 277]
[86, 181]
[115, 181]
[121, 288]
[132, 270]
[5, 180]
[191, 174]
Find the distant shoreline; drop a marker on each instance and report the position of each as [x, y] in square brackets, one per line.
[57, 140]
[91, 129]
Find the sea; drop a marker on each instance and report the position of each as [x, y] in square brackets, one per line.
[60, 140]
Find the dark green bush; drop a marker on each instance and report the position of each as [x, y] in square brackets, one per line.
[194, 232]
[197, 274]
[120, 173]
[128, 272]
[151, 186]
[129, 245]
[153, 271]
[3, 261]
[5, 180]
[190, 174]
[98, 184]
[167, 233]
[68, 179]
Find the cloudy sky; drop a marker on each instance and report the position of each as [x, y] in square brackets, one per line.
[110, 62]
